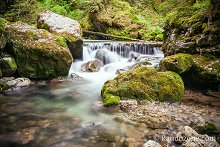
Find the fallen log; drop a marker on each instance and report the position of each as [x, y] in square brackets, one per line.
[110, 36]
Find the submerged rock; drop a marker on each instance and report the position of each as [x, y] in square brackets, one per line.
[68, 28]
[143, 83]
[8, 66]
[22, 136]
[92, 66]
[38, 53]
[178, 63]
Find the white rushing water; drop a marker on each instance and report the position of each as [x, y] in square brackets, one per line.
[118, 56]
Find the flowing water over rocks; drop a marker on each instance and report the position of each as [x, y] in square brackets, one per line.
[66, 112]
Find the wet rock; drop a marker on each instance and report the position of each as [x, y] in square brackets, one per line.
[178, 63]
[152, 143]
[105, 56]
[22, 82]
[133, 56]
[8, 65]
[12, 84]
[49, 56]
[143, 83]
[74, 77]
[139, 64]
[68, 28]
[92, 66]
[120, 71]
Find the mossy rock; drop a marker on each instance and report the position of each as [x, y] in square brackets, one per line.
[143, 83]
[3, 86]
[38, 53]
[206, 69]
[208, 128]
[8, 66]
[63, 26]
[3, 22]
[178, 63]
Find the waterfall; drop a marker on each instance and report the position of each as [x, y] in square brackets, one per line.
[122, 49]
[114, 55]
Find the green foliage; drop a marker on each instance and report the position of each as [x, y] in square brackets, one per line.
[208, 128]
[59, 9]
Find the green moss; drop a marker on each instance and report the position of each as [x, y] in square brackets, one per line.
[178, 63]
[8, 66]
[206, 69]
[38, 53]
[110, 100]
[2, 24]
[208, 128]
[145, 83]
[3, 86]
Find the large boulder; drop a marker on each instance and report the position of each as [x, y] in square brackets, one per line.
[178, 63]
[38, 53]
[92, 66]
[8, 65]
[143, 83]
[70, 29]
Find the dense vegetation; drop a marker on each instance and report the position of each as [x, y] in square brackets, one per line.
[142, 19]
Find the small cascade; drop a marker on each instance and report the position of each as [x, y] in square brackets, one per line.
[114, 55]
[123, 49]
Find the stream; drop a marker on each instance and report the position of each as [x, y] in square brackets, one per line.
[70, 113]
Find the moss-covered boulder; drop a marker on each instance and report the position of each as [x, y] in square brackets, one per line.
[68, 28]
[206, 70]
[3, 22]
[38, 53]
[178, 63]
[8, 65]
[143, 83]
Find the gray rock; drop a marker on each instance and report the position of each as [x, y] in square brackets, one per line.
[92, 66]
[70, 29]
[133, 56]
[22, 82]
[105, 56]
[74, 77]
[152, 143]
